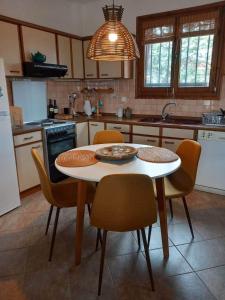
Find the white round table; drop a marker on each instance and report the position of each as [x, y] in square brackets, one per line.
[97, 171]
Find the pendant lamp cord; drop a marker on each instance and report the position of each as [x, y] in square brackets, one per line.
[113, 10]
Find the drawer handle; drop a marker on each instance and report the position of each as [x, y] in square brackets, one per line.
[169, 143]
[28, 138]
[117, 127]
[89, 75]
[36, 147]
[151, 141]
[104, 74]
[14, 71]
[94, 125]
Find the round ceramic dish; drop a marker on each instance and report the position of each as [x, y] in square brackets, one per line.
[116, 152]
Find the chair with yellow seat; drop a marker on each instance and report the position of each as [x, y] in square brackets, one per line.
[124, 202]
[108, 136]
[181, 183]
[59, 195]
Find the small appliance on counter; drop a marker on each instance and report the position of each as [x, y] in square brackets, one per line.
[87, 108]
[119, 112]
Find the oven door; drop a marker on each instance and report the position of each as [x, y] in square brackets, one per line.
[55, 147]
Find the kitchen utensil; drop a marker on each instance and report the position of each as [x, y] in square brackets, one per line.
[119, 112]
[38, 57]
[87, 107]
[116, 152]
[128, 113]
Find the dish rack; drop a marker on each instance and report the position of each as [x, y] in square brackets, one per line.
[213, 118]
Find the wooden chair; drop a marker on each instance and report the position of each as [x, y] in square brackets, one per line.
[108, 136]
[124, 203]
[181, 183]
[59, 195]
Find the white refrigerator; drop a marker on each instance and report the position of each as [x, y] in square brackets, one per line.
[9, 191]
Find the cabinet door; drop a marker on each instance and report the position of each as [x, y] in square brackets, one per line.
[109, 69]
[90, 66]
[27, 173]
[146, 140]
[93, 128]
[10, 48]
[38, 40]
[82, 134]
[171, 144]
[118, 127]
[77, 58]
[64, 53]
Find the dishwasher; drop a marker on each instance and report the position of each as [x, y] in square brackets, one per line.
[211, 169]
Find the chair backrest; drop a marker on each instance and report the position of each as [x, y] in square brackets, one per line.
[108, 136]
[44, 179]
[124, 202]
[189, 152]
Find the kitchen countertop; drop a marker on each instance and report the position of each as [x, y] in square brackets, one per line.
[135, 120]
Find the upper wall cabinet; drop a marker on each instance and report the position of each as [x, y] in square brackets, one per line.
[90, 66]
[10, 48]
[77, 59]
[64, 53]
[38, 40]
[108, 69]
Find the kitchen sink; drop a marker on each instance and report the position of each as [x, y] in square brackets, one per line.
[171, 120]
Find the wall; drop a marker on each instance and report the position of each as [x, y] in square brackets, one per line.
[62, 15]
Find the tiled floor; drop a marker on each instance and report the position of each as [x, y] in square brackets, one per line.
[195, 269]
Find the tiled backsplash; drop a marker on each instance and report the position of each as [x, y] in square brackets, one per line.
[124, 95]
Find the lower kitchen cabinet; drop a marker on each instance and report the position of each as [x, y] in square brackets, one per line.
[171, 144]
[93, 128]
[26, 170]
[146, 140]
[82, 134]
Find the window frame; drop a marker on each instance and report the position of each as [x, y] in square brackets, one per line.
[174, 91]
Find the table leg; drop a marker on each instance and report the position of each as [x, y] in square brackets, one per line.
[162, 215]
[81, 199]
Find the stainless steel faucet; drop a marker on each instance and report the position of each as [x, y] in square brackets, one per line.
[164, 115]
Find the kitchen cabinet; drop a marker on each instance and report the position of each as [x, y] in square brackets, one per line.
[110, 69]
[146, 140]
[171, 144]
[93, 128]
[38, 40]
[90, 66]
[145, 130]
[82, 134]
[10, 49]
[64, 53]
[77, 58]
[26, 170]
[178, 133]
[123, 128]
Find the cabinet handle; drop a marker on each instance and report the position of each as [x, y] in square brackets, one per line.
[36, 147]
[14, 71]
[28, 138]
[94, 125]
[117, 127]
[104, 74]
[151, 141]
[169, 143]
[89, 75]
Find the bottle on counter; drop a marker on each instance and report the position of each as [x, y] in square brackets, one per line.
[50, 110]
[55, 108]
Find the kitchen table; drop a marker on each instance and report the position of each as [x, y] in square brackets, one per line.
[96, 172]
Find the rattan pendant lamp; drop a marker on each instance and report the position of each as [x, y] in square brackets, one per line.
[112, 41]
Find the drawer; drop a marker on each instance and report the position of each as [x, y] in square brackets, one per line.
[119, 127]
[178, 133]
[146, 130]
[126, 138]
[97, 124]
[26, 138]
[146, 140]
[171, 144]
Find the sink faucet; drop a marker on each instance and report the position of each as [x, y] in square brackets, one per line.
[164, 115]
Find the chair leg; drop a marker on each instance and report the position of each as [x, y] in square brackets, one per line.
[49, 219]
[188, 216]
[171, 208]
[102, 262]
[98, 238]
[138, 238]
[148, 259]
[149, 234]
[89, 209]
[54, 233]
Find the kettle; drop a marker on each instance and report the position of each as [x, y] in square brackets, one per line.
[38, 57]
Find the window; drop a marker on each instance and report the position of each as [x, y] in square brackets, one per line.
[181, 53]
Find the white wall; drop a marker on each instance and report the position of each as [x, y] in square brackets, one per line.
[93, 16]
[64, 15]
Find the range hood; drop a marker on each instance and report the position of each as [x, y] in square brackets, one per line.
[33, 69]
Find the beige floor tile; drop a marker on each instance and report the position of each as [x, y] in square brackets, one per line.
[215, 280]
[15, 239]
[181, 234]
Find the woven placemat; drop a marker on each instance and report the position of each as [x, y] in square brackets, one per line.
[76, 158]
[157, 155]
